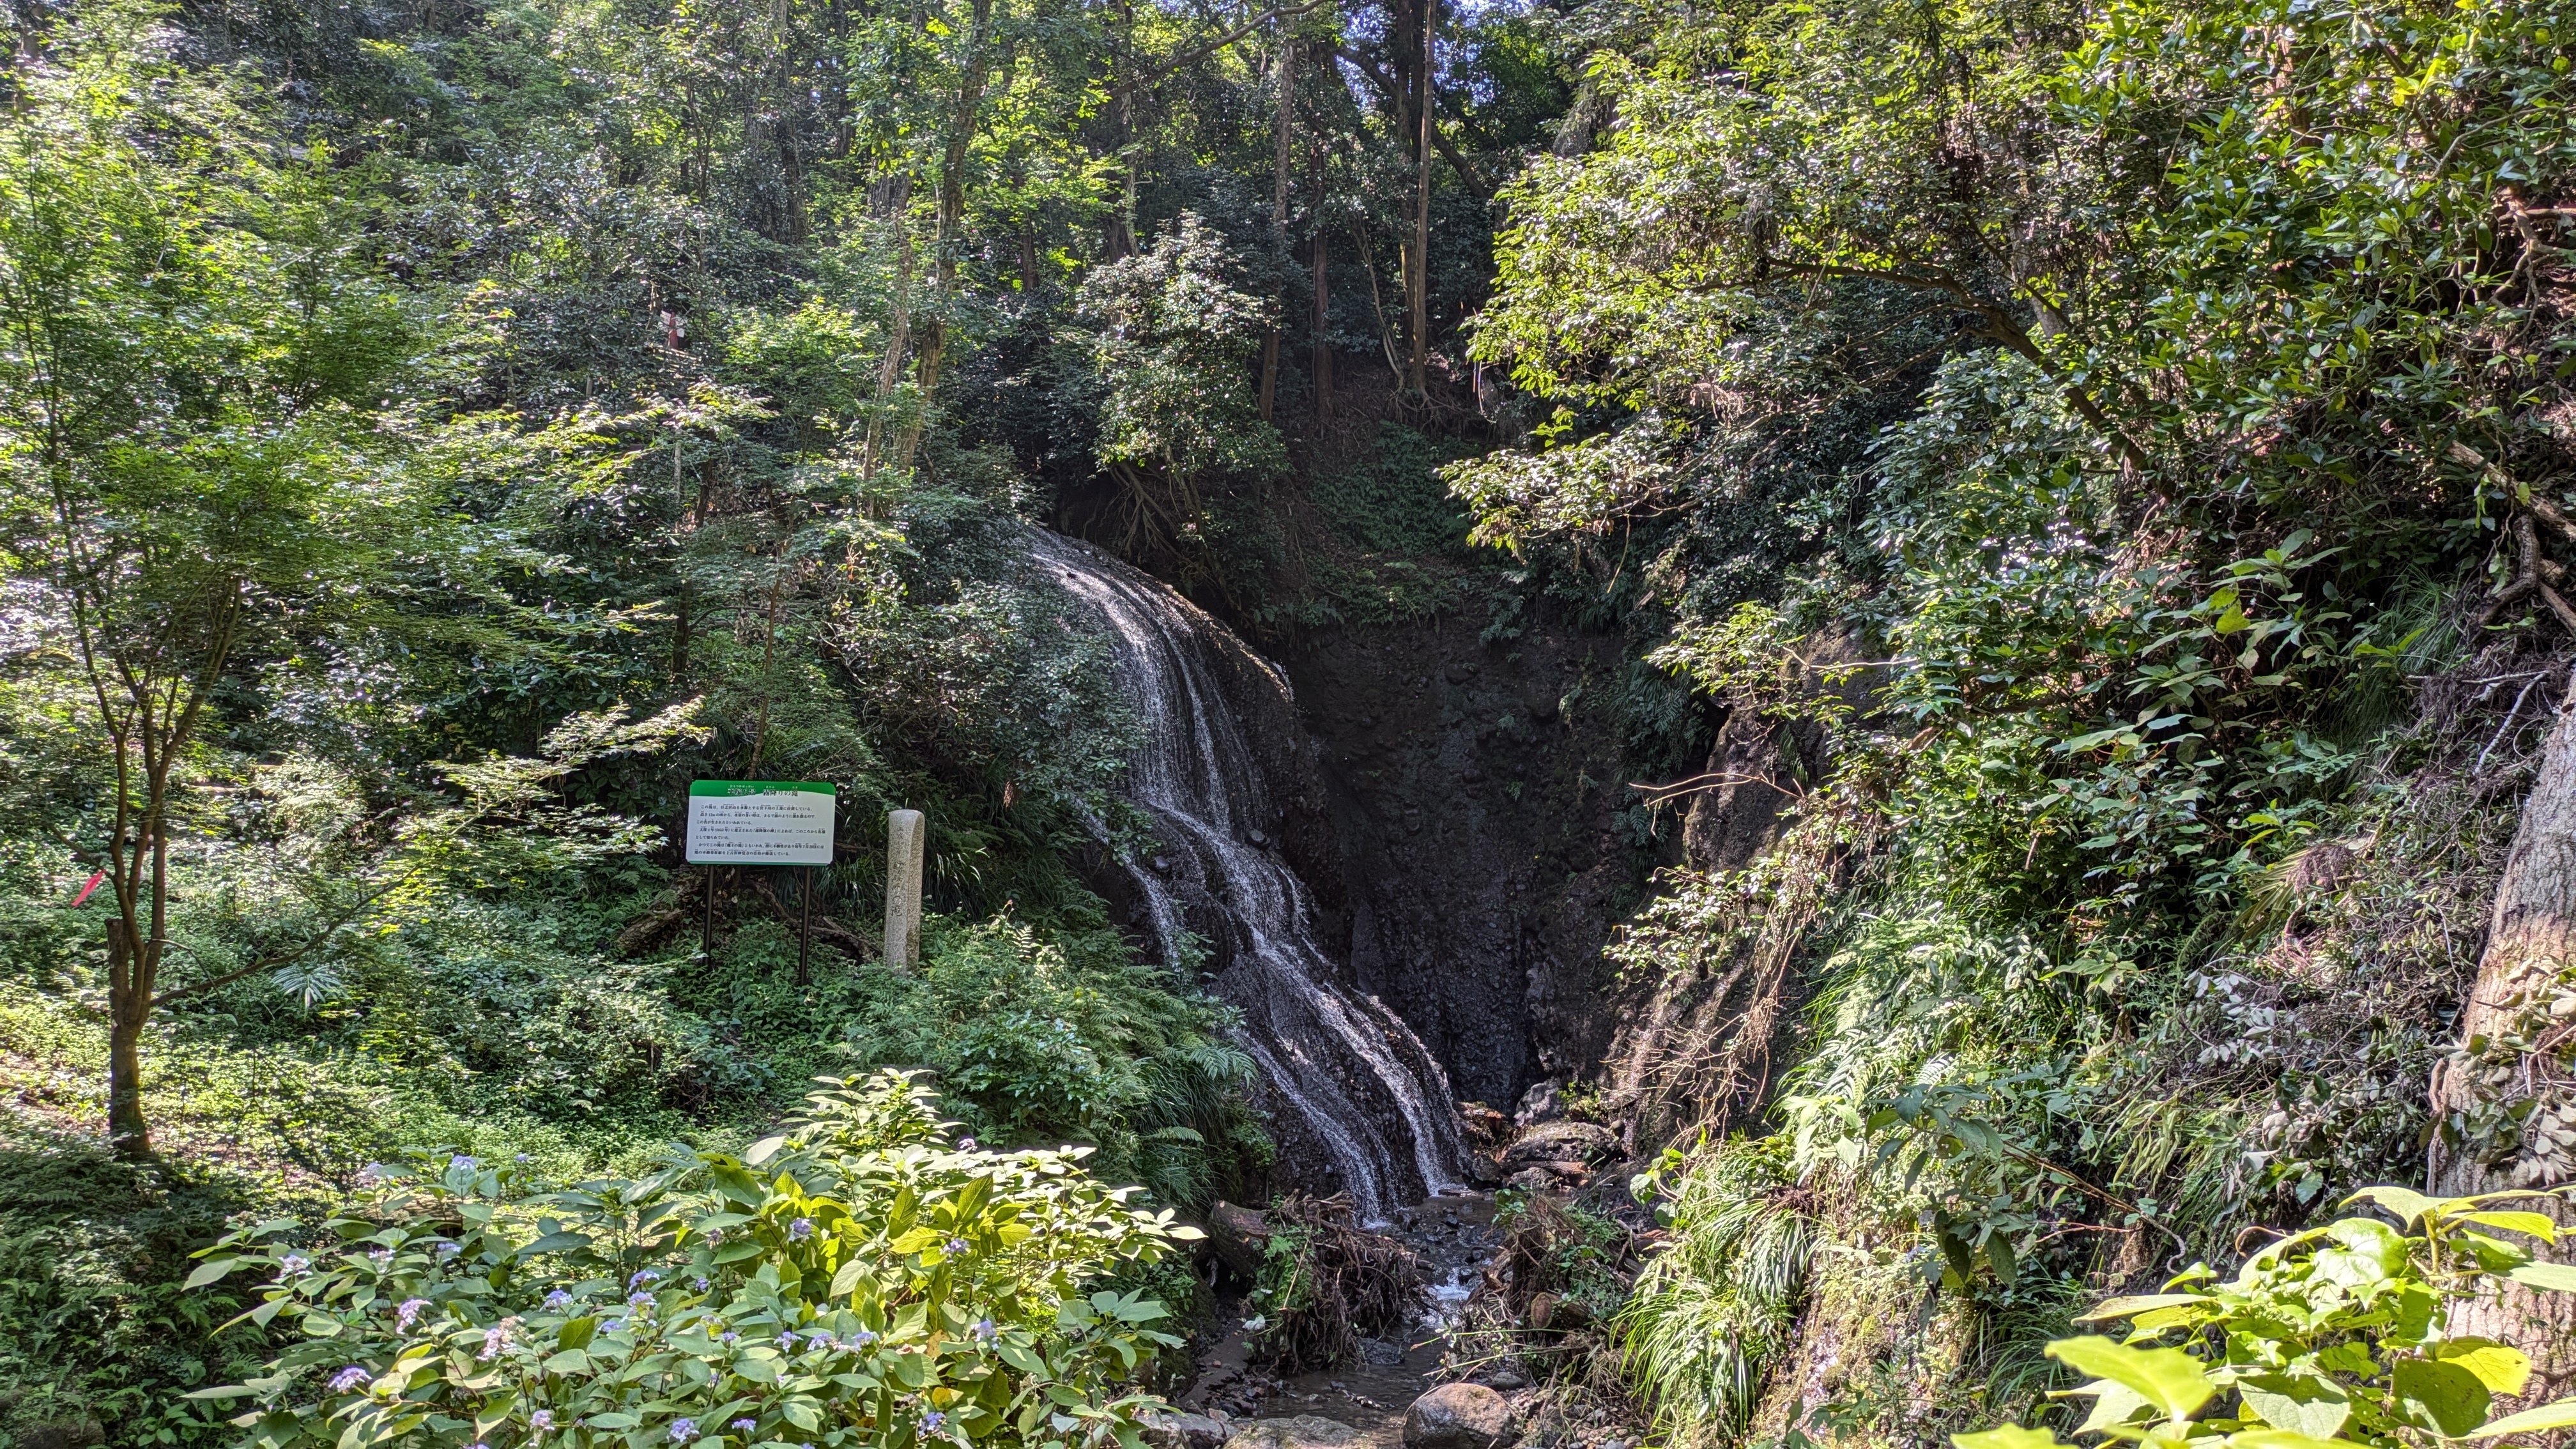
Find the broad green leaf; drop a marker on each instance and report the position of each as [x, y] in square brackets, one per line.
[2282, 1439]
[2503, 1369]
[577, 1332]
[2539, 1225]
[2558, 1415]
[2404, 1203]
[2555, 1277]
[2124, 1307]
[211, 1270]
[2168, 1378]
[2444, 1397]
[2304, 1404]
[614, 1421]
[2010, 1436]
[2113, 1404]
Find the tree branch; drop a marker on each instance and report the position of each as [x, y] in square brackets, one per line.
[1998, 327]
[1466, 171]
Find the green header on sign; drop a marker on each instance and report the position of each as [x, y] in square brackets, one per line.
[759, 787]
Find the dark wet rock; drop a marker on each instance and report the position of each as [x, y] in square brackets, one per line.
[1381, 1353]
[1459, 1416]
[1543, 1102]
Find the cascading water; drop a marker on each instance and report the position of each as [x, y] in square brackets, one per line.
[1358, 1079]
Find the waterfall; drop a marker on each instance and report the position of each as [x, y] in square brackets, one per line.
[1359, 1081]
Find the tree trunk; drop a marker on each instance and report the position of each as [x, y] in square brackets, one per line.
[128, 1135]
[1322, 326]
[2531, 943]
[1279, 216]
[1418, 273]
[952, 220]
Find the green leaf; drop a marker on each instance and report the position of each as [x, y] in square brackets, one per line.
[2125, 1307]
[614, 1421]
[554, 1243]
[211, 1270]
[2558, 1415]
[577, 1332]
[226, 1391]
[2113, 1405]
[2282, 1439]
[2555, 1277]
[2503, 1369]
[2404, 1203]
[2302, 1403]
[2444, 1397]
[2010, 1436]
[2539, 1225]
[2168, 1378]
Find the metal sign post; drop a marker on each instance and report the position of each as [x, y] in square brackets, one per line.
[763, 822]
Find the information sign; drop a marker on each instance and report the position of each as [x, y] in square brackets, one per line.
[760, 822]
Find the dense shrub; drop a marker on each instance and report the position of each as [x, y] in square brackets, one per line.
[860, 1279]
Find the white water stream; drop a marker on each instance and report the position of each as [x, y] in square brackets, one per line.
[1357, 1077]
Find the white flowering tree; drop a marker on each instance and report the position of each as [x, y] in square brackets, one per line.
[859, 1280]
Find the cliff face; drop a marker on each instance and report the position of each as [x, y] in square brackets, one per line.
[1484, 833]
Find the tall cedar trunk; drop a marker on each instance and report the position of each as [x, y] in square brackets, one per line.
[898, 334]
[1279, 217]
[1417, 282]
[1322, 325]
[2531, 939]
[952, 219]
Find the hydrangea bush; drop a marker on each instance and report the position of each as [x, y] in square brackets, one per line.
[858, 1280]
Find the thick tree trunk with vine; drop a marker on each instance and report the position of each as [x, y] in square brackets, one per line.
[2530, 949]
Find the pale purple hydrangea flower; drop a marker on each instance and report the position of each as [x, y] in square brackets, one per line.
[984, 1330]
[460, 1161]
[640, 1302]
[348, 1378]
[408, 1314]
[558, 1301]
[496, 1340]
[801, 1229]
[542, 1420]
[293, 1263]
[746, 1425]
[863, 1338]
[449, 1250]
[642, 1277]
[381, 1257]
[787, 1342]
[701, 1284]
[933, 1422]
[965, 1144]
[683, 1430]
[614, 1325]
[728, 1336]
[956, 1246]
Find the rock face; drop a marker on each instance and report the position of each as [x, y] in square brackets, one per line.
[1486, 836]
[1458, 1416]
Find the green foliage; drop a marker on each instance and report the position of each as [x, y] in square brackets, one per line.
[2334, 1335]
[871, 1284]
[1724, 1293]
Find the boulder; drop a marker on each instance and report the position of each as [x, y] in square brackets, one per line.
[1306, 1431]
[1459, 1416]
[1383, 1353]
[1543, 1102]
[1561, 1141]
[1183, 1431]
